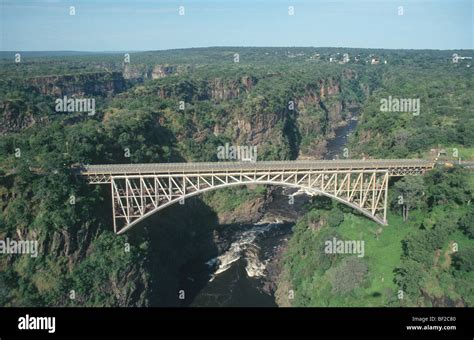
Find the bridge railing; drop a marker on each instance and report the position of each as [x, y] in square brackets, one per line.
[394, 165]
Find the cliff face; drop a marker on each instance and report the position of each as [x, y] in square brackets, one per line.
[38, 96]
[161, 71]
[317, 113]
[217, 89]
[141, 72]
[250, 211]
[256, 131]
[89, 84]
[220, 90]
[135, 72]
[83, 260]
[15, 117]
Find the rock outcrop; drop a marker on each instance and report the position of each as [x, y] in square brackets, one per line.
[39, 95]
[87, 84]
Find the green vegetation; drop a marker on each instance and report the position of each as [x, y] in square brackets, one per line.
[424, 253]
[445, 119]
[416, 256]
[229, 199]
[138, 109]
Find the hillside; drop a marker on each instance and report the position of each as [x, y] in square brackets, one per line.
[180, 105]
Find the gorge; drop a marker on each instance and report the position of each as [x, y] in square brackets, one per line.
[247, 270]
[240, 246]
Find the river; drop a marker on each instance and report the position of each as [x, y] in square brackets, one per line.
[244, 274]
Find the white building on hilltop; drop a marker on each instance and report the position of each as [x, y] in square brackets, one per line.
[345, 58]
[457, 57]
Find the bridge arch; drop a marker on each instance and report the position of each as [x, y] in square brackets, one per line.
[140, 190]
[354, 201]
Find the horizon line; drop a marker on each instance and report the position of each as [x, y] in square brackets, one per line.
[229, 46]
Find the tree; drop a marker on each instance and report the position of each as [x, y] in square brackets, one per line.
[409, 276]
[335, 217]
[466, 223]
[448, 186]
[410, 194]
[464, 260]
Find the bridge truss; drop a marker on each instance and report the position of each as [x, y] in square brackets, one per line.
[135, 196]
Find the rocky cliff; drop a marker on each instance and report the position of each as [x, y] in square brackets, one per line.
[16, 116]
[87, 84]
[80, 264]
[142, 72]
[253, 119]
[34, 99]
[317, 113]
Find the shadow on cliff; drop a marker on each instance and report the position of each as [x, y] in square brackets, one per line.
[180, 240]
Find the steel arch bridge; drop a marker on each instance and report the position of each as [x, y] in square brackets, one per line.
[140, 190]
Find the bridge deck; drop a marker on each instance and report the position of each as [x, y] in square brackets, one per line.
[200, 167]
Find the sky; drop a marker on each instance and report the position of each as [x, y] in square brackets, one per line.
[138, 25]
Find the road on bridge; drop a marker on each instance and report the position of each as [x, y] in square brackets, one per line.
[349, 164]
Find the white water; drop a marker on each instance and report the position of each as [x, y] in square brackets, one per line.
[245, 246]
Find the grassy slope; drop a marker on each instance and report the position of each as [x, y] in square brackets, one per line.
[381, 255]
[384, 255]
